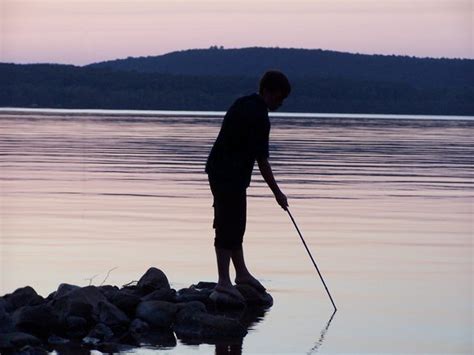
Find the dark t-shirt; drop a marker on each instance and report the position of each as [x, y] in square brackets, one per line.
[242, 139]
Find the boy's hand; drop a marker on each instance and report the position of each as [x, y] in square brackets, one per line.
[281, 199]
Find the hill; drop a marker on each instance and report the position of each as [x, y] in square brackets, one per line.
[347, 83]
[297, 63]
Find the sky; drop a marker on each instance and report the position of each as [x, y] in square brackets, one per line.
[85, 31]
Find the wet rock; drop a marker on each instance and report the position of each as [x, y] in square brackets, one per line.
[17, 340]
[39, 320]
[254, 297]
[24, 296]
[108, 318]
[157, 313]
[153, 279]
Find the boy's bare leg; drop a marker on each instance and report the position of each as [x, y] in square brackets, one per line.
[224, 284]
[242, 275]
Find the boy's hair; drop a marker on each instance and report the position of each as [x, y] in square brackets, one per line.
[274, 80]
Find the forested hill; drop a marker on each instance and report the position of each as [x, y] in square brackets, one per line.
[296, 63]
[212, 79]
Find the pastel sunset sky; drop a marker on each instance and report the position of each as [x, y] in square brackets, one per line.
[85, 31]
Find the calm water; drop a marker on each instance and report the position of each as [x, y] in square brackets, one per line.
[386, 206]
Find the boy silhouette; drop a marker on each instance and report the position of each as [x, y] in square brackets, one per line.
[242, 139]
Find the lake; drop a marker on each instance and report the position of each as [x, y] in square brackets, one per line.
[385, 205]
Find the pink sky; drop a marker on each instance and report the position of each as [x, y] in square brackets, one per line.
[86, 31]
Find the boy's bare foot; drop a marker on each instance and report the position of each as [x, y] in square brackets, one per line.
[250, 280]
[230, 290]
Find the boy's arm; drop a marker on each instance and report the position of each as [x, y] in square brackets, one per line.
[267, 173]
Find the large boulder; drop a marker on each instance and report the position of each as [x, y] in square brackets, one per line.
[39, 320]
[157, 313]
[24, 296]
[153, 279]
[82, 302]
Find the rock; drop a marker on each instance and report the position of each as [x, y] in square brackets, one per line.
[126, 301]
[196, 306]
[205, 285]
[32, 350]
[90, 341]
[64, 289]
[17, 340]
[192, 324]
[153, 279]
[112, 316]
[39, 320]
[157, 313]
[193, 294]
[101, 332]
[54, 339]
[3, 304]
[137, 326]
[254, 297]
[76, 327]
[6, 322]
[163, 294]
[225, 300]
[82, 302]
[24, 296]
[109, 291]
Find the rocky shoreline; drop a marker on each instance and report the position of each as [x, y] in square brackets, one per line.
[112, 319]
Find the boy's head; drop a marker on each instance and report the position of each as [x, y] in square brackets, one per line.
[274, 87]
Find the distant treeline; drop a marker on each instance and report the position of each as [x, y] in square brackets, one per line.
[443, 86]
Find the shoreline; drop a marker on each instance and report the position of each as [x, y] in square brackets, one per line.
[220, 114]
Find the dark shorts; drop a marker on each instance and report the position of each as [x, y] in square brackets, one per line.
[230, 215]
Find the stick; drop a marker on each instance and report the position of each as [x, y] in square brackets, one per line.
[314, 263]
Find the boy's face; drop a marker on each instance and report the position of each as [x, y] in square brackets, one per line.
[274, 99]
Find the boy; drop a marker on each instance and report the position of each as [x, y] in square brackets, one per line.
[243, 138]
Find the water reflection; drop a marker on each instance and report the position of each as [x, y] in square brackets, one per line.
[320, 341]
[386, 206]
